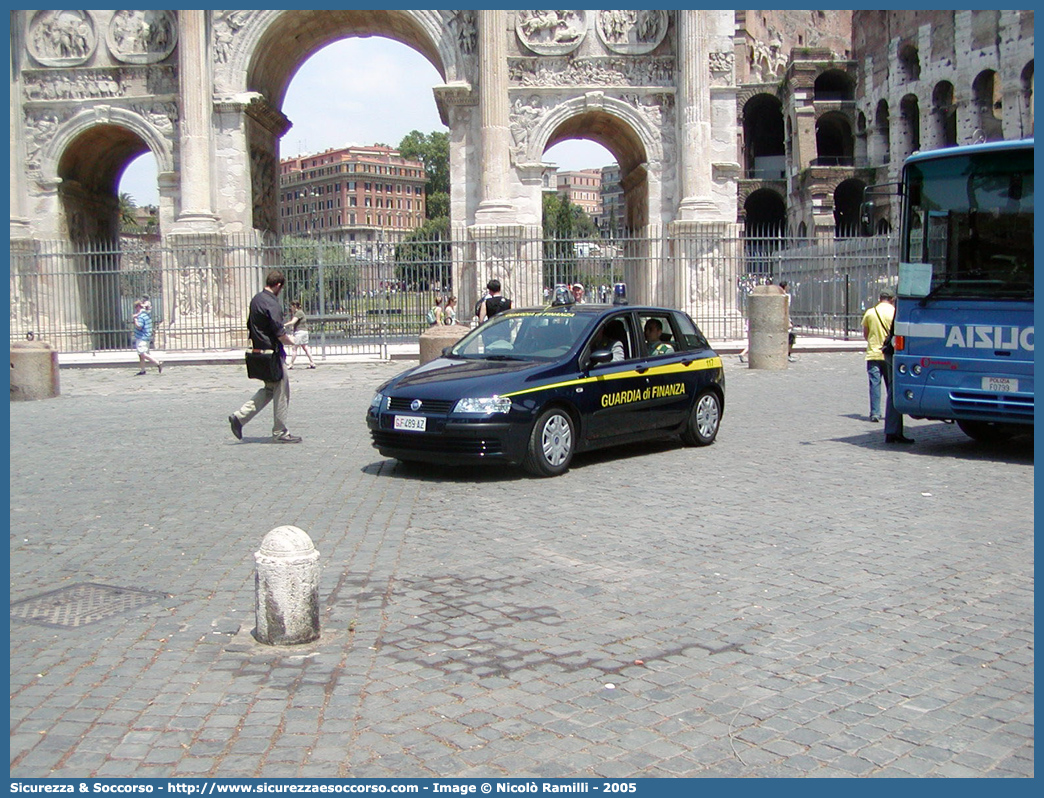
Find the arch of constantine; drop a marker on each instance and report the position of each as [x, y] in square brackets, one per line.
[203, 90]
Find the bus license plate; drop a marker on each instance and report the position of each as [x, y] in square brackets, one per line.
[411, 423]
[1000, 384]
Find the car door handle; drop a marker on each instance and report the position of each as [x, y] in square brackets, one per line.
[642, 369]
[687, 363]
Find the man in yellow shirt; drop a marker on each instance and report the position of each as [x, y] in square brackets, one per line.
[877, 326]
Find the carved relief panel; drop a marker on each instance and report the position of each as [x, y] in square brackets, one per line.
[62, 38]
[142, 37]
[551, 32]
[632, 32]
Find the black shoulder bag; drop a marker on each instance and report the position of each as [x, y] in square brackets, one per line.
[264, 364]
[888, 345]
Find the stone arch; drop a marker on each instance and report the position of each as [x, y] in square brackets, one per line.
[848, 197]
[1026, 104]
[763, 137]
[834, 141]
[620, 128]
[882, 130]
[272, 45]
[986, 97]
[764, 213]
[833, 85]
[945, 111]
[910, 115]
[86, 158]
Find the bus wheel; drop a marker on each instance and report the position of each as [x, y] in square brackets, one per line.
[986, 431]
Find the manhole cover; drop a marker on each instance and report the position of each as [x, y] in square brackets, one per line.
[80, 604]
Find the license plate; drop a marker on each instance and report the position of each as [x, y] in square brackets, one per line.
[1000, 384]
[411, 423]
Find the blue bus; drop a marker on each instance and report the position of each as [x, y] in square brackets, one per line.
[964, 315]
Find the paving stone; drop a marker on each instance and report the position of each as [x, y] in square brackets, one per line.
[810, 634]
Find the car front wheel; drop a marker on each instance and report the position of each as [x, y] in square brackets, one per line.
[704, 420]
[551, 444]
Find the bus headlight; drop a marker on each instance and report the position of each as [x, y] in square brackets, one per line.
[909, 395]
[917, 370]
[902, 368]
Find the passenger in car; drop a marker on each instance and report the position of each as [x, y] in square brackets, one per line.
[653, 344]
[612, 336]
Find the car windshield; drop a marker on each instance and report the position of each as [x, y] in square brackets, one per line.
[524, 335]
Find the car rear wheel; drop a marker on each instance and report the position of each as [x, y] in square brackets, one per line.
[986, 431]
[704, 420]
[551, 444]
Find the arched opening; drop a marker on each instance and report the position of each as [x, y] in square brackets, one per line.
[833, 85]
[848, 197]
[882, 131]
[764, 214]
[1026, 109]
[910, 114]
[90, 168]
[986, 98]
[764, 224]
[909, 62]
[834, 144]
[945, 112]
[586, 174]
[621, 140]
[763, 139]
[293, 38]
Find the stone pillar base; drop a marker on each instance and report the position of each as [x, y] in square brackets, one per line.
[768, 330]
[437, 337]
[34, 371]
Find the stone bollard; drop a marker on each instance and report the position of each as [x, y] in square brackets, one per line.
[437, 337]
[286, 588]
[769, 328]
[34, 371]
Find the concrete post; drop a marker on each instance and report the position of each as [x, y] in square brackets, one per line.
[438, 336]
[34, 371]
[768, 328]
[286, 588]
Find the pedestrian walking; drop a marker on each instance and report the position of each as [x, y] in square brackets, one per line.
[449, 313]
[267, 332]
[298, 329]
[143, 332]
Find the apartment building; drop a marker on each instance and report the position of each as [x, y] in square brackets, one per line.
[351, 194]
[583, 188]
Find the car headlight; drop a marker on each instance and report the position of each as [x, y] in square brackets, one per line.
[484, 405]
[375, 403]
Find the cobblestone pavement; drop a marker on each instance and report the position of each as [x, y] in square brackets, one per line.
[797, 599]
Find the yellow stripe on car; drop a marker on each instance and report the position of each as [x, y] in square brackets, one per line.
[652, 371]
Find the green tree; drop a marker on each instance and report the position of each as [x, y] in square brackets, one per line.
[432, 150]
[423, 257]
[564, 225]
[303, 261]
[127, 206]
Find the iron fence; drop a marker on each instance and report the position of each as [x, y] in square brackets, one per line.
[361, 296]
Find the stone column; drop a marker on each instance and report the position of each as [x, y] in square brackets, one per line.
[495, 133]
[769, 317]
[197, 206]
[20, 228]
[694, 165]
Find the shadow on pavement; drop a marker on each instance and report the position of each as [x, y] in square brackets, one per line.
[946, 440]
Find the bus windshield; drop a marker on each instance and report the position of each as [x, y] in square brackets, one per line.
[971, 219]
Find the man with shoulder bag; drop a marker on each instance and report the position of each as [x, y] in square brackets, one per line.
[267, 338]
[877, 330]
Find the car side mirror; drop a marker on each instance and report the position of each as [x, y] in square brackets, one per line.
[601, 356]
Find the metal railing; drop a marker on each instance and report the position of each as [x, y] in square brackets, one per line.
[361, 296]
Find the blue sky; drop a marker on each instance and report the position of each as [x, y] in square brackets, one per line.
[361, 91]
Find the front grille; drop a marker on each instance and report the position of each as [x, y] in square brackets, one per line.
[434, 406]
[1008, 404]
[450, 444]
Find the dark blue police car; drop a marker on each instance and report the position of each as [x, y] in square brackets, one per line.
[534, 386]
